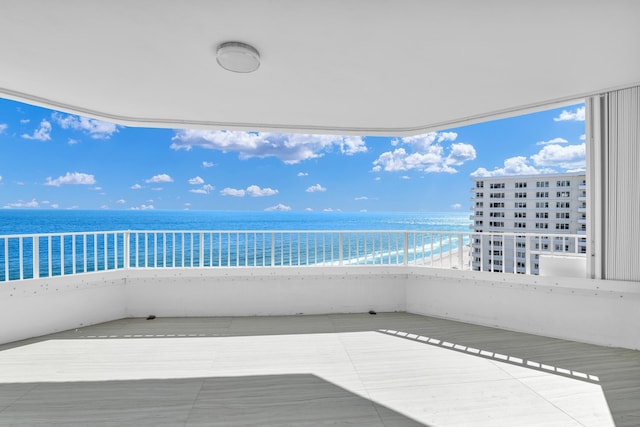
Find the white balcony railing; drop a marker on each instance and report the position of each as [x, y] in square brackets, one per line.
[32, 256]
[46, 255]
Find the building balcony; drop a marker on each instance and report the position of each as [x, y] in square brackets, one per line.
[183, 321]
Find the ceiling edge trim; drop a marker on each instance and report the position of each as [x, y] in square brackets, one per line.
[306, 129]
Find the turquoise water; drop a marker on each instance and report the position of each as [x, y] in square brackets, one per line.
[66, 221]
[232, 239]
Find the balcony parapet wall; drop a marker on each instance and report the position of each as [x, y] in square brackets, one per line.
[591, 311]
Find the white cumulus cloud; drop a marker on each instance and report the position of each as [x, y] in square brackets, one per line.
[255, 191]
[71, 178]
[21, 204]
[205, 189]
[447, 136]
[553, 141]
[303, 174]
[121, 201]
[136, 186]
[432, 152]
[518, 165]
[279, 207]
[315, 188]
[234, 192]
[206, 164]
[96, 129]
[460, 153]
[566, 157]
[577, 115]
[42, 133]
[196, 180]
[163, 177]
[456, 206]
[362, 198]
[3, 127]
[143, 207]
[252, 190]
[289, 148]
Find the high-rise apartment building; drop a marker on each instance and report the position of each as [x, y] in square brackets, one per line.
[507, 209]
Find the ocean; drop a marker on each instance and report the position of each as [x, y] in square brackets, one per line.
[38, 221]
[87, 241]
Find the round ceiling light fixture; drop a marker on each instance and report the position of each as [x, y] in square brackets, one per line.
[238, 57]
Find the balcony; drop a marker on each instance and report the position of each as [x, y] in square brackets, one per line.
[316, 289]
[388, 369]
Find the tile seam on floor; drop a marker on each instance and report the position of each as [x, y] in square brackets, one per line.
[538, 394]
[373, 403]
[193, 405]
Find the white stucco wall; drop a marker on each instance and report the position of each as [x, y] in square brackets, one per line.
[31, 308]
[591, 311]
[264, 292]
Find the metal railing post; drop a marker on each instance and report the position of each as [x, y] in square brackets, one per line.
[201, 248]
[126, 248]
[406, 248]
[460, 251]
[273, 249]
[36, 257]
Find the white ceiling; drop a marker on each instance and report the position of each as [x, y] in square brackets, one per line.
[386, 67]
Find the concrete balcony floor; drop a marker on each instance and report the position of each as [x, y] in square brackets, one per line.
[389, 369]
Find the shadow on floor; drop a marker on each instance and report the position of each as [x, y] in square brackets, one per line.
[271, 400]
[617, 370]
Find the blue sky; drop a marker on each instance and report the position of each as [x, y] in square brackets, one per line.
[54, 160]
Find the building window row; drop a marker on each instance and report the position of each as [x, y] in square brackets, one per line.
[520, 205]
[521, 195]
[497, 185]
[542, 184]
[521, 185]
[542, 194]
[496, 205]
[497, 195]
